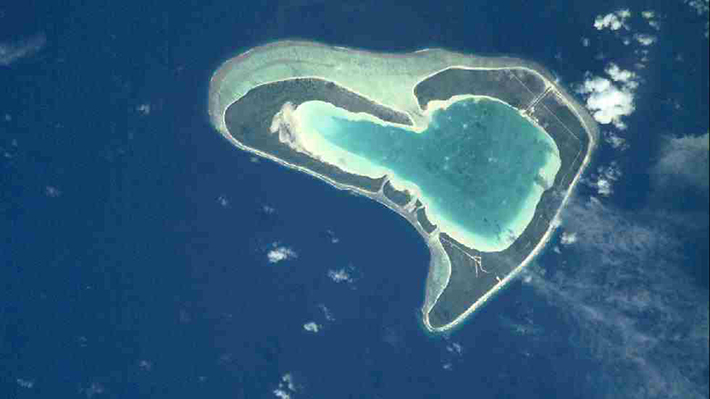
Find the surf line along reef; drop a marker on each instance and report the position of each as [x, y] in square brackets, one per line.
[479, 154]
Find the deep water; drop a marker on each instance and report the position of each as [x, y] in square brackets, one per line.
[134, 240]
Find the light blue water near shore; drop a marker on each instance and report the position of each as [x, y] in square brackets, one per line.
[480, 165]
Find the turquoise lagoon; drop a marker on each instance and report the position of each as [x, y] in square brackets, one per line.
[480, 167]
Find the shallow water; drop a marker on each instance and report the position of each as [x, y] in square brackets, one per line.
[480, 166]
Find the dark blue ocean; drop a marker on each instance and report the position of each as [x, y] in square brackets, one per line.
[143, 256]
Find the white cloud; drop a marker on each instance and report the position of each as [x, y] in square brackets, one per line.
[312, 327]
[683, 163]
[452, 356]
[52, 192]
[627, 78]
[645, 39]
[605, 177]
[339, 276]
[333, 238]
[702, 7]
[604, 187]
[568, 238]
[11, 52]
[610, 99]
[345, 275]
[326, 312]
[455, 349]
[617, 142]
[144, 109]
[27, 384]
[145, 365]
[652, 18]
[619, 21]
[281, 394]
[617, 237]
[629, 303]
[280, 253]
[223, 201]
[286, 388]
[624, 13]
[527, 326]
[289, 382]
[94, 389]
[613, 21]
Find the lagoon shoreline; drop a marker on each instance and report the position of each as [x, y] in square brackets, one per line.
[461, 279]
